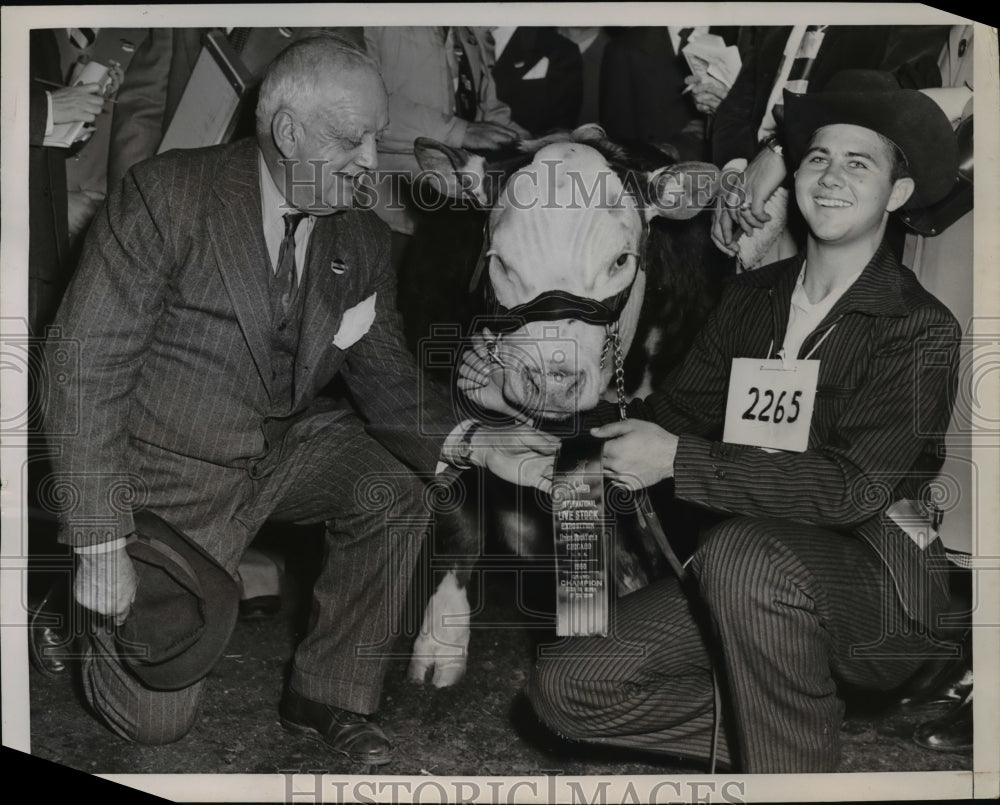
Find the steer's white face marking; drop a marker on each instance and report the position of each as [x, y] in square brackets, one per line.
[565, 223]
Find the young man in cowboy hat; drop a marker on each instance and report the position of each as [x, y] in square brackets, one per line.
[810, 413]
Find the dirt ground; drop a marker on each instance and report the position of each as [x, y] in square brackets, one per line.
[481, 726]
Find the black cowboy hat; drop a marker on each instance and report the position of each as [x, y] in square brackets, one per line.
[873, 99]
[184, 610]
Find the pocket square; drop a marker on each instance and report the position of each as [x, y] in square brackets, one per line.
[540, 70]
[356, 322]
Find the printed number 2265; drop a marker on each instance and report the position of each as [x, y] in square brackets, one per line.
[773, 410]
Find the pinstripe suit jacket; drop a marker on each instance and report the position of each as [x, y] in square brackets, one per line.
[886, 385]
[171, 312]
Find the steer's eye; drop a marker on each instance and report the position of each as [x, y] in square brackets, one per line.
[620, 262]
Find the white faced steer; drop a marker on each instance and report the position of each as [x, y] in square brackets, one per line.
[565, 280]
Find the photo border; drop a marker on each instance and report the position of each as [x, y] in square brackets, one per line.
[982, 781]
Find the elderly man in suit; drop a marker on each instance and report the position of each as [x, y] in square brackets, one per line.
[221, 290]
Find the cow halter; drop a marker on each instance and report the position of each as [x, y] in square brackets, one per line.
[555, 305]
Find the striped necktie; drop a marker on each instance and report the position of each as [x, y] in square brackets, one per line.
[683, 35]
[83, 38]
[805, 57]
[800, 53]
[238, 38]
[285, 275]
[466, 102]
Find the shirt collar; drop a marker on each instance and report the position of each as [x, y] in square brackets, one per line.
[801, 300]
[877, 291]
[273, 208]
[501, 36]
[272, 202]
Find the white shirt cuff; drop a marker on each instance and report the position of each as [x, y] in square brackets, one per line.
[49, 125]
[451, 446]
[738, 164]
[102, 547]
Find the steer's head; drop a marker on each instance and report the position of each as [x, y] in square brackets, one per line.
[563, 258]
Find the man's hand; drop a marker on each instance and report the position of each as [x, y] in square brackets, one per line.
[81, 206]
[105, 583]
[521, 456]
[488, 136]
[638, 453]
[482, 380]
[73, 104]
[722, 222]
[762, 177]
[707, 93]
[740, 206]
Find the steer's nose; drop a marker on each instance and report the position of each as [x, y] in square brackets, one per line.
[550, 384]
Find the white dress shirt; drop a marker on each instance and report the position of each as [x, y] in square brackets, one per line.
[273, 209]
[501, 36]
[675, 34]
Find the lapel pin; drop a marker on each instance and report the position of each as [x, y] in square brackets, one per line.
[338, 266]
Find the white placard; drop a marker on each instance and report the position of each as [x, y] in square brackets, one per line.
[770, 403]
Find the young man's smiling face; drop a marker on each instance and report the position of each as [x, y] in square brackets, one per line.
[844, 185]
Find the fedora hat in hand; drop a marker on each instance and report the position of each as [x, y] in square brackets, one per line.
[873, 99]
[184, 611]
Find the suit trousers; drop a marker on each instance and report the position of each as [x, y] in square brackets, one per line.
[376, 520]
[791, 616]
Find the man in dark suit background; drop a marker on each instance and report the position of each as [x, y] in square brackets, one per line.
[87, 168]
[216, 299]
[539, 75]
[642, 84]
[49, 263]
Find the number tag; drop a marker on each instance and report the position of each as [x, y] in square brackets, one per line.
[770, 403]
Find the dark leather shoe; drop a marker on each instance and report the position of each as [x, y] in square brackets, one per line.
[942, 683]
[349, 733]
[952, 732]
[49, 643]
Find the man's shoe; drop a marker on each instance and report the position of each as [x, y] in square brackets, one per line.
[942, 683]
[349, 733]
[950, 733]
[49, 643]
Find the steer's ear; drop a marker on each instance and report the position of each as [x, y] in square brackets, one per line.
[681, 191]
[453, 172]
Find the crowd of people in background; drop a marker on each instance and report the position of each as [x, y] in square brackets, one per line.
[479, 88]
